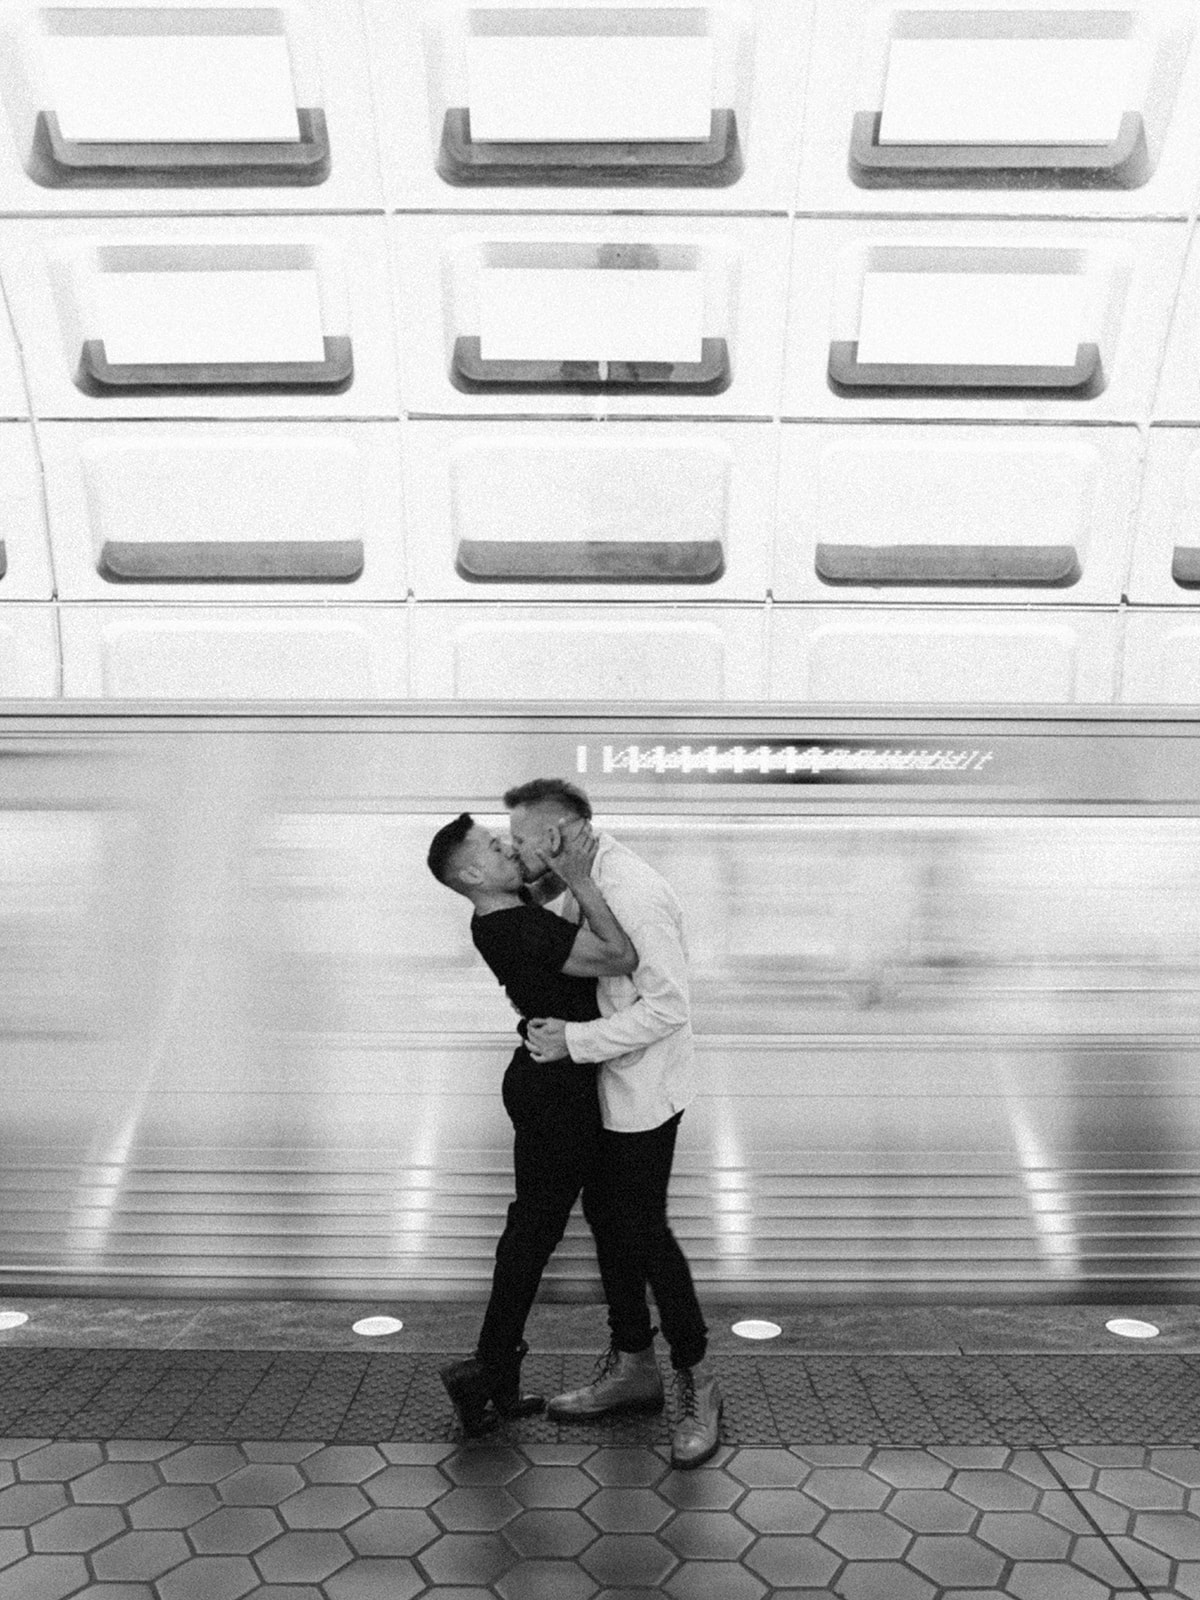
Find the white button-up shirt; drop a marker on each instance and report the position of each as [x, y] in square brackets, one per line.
[643, 1038]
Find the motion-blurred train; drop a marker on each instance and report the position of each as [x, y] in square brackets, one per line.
[946, 987]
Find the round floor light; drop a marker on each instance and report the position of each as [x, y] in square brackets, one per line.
[376, 1327]
[13, 1319]
[1131, 1328]
[753, 1329]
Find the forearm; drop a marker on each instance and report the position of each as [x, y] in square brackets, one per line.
[649, 1018]
[602, 920]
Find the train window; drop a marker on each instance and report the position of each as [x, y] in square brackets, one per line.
[590, 95]
[943, 318]
[611, 316]
[172, 94]
[1011, 97]
[565, 76]
[208, 316]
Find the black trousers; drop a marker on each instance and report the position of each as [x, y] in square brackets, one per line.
[560, 1151]
[626, 1208]
[555, 1113]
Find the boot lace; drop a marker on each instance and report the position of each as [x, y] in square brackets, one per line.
[685, 1393]
[606, 1364]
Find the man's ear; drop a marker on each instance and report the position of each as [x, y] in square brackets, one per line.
[554, 838]
[468, 875]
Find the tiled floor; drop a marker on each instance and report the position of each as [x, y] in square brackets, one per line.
[305, 1510]
[133, 1520]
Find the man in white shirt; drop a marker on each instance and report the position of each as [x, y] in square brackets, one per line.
[643, 1042]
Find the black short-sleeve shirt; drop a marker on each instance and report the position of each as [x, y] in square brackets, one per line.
[526, 947]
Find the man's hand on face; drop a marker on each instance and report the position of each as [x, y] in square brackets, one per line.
[573, 859]
[546, 1038]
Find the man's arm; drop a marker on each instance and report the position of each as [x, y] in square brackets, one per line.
[603, 948]
[661, 1005]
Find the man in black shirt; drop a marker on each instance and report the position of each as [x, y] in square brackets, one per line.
[548, 967]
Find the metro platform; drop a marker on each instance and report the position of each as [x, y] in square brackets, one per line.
[181, 1449]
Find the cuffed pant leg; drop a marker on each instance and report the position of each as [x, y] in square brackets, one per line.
[639, 1247]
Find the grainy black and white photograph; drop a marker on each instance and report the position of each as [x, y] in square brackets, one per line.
[599, 800]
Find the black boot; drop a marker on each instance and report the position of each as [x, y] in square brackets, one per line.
[472, 1383]
[506, 1396]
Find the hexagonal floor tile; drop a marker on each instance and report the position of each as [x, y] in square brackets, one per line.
[260, 1484]
[550, 1534]
[77, 1529]
[794, 1560]
[1023, 1535]
[209, 1578]
[625, 1468]
[406, 1486]
[955, 1559]
[13, 1545]
[626, 1510]
[140, 1557]
[177, 1505]
[1044, 1580]
[846, 1489]
[484, 1464]
[546, 1580]
[885, 1580]
[910, 1469]
[343, 1463]
[711, 1490]
[1139, 1489]
[628, 1560]
[115, 1484]
[833, 1455]
[931, 1511]
[549, 1487]
[30, 1502]
[235, 1531]
[994, 1491]
[43, 1578]
[302, 1557]
[714, 1580]
[864, 1535]
[779, 1511]
[972, 1457]
[1181, 1466]
[391, 1533]
[1173, 1533]
[476, 1508]
[324, 1505]
[466, 1558]
[707, 1536]
[56, 1463]
[767, 1469]
[141, 1449]
[1112, 1562]
[202, 1463]
[375, 1578]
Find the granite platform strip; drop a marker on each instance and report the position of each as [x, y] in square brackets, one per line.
[156, 1519]
[1021, 1402]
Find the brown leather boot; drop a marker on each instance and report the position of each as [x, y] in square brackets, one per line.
[624, 1381]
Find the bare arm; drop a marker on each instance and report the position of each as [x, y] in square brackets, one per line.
[603, 948]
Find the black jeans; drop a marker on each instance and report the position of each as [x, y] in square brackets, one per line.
[626, 1208]
[555, 1114]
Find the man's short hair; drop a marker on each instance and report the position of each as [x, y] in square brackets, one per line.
[446, 844]
[556, 791]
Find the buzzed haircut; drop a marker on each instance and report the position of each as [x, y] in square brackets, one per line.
[445, 846]
[555, 790]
